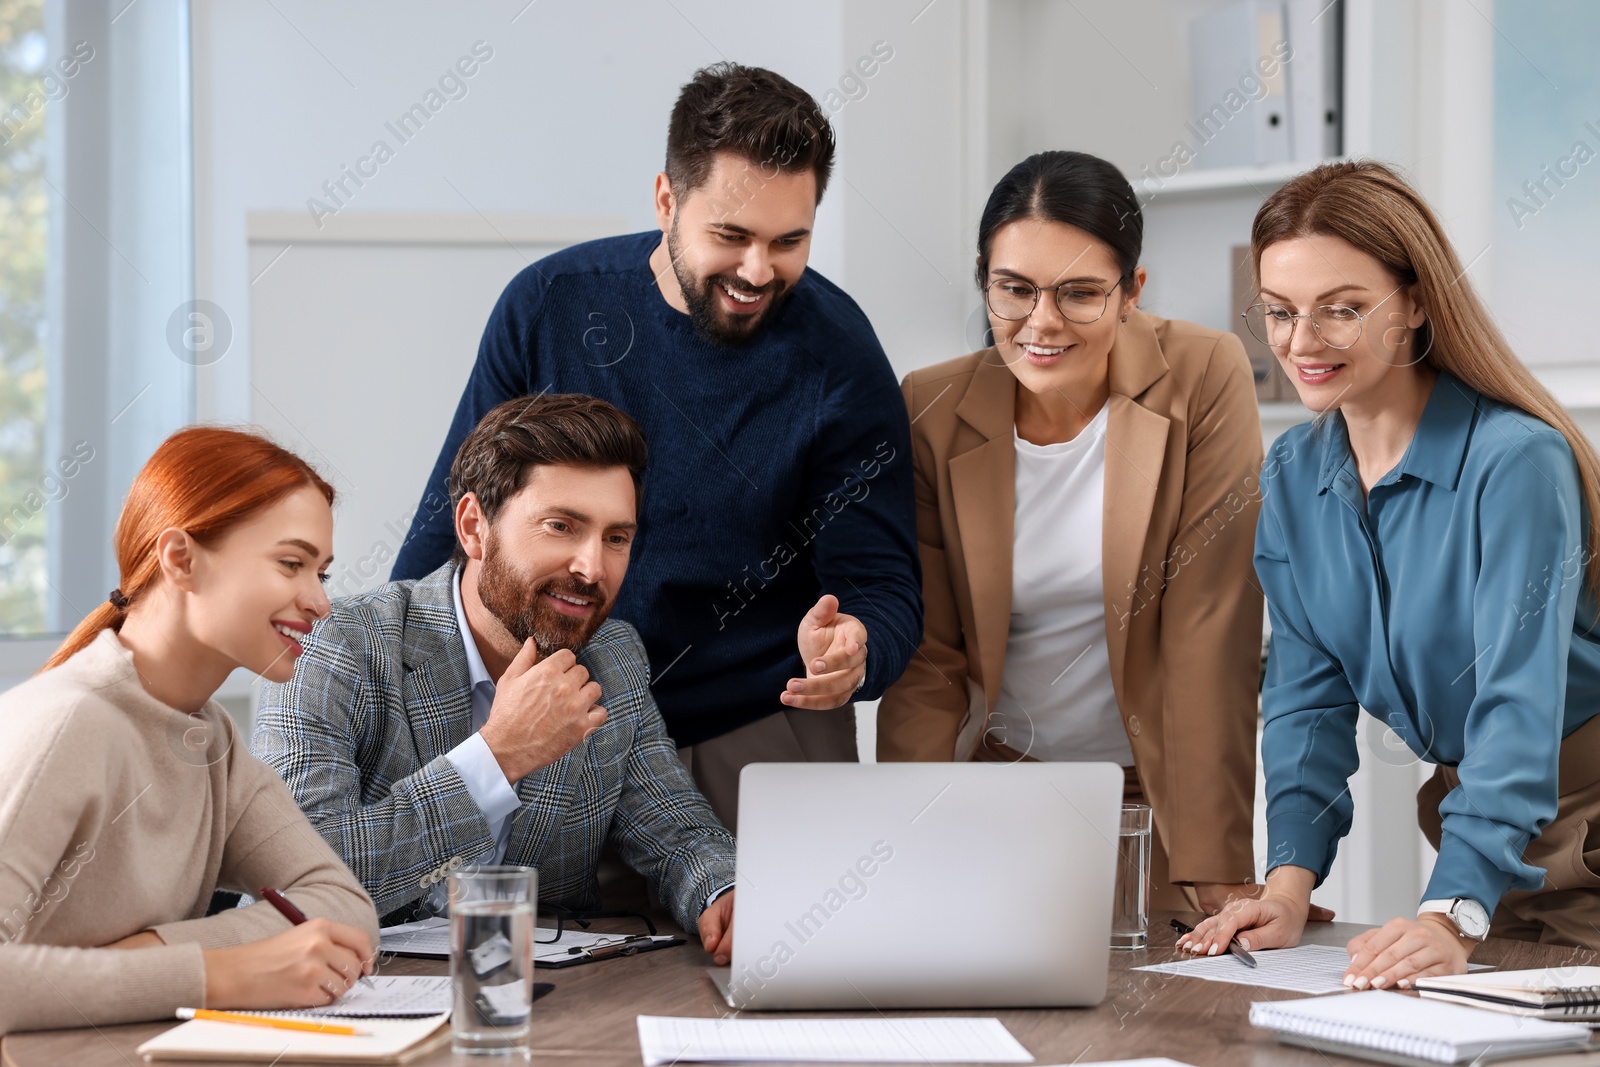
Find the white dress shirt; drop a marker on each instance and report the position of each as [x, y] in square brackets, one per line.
[486, 782]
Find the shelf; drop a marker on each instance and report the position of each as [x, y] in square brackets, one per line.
[1261, 180]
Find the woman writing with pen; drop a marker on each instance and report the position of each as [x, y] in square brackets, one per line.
[128, 795]
[1427, 552]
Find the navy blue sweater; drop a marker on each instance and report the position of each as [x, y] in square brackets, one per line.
[778, 472]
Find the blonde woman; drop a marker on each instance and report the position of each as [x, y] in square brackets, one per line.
[1427, 551]
[128, 797]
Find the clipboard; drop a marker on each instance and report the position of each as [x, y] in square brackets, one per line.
[628, 946]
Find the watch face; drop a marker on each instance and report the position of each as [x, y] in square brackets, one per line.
[1471, 918]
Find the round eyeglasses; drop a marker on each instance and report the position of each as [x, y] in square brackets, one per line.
[1336, 325]
[1013, 299]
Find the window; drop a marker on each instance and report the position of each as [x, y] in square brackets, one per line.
[95, 276]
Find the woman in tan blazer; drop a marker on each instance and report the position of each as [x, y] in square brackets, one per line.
[1086, 504]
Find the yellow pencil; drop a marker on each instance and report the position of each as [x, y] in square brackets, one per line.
[263, 1020]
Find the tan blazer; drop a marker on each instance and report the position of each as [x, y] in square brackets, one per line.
[1183, 609]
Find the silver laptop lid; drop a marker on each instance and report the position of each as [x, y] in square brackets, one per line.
[924, 885]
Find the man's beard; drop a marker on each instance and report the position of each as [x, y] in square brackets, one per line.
[700, 296]
[524, 612]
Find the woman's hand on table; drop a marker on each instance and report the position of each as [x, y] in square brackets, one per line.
[1272, 916]
[1214, 896]
[1403, 950]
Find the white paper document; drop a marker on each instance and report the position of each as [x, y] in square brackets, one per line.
[1313, 969]
[392, 995]
[667, 1040]
[425, 937]
[431, 937]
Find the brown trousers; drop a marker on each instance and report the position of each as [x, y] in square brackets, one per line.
[1566, 909]
[791, 735]
[1164, 895]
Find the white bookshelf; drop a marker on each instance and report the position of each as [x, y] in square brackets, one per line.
[1243, 181]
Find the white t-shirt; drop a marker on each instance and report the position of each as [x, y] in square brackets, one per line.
[1056, 698]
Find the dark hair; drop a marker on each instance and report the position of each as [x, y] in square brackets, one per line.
[764, 117]
[569, 429]
[1071, 187]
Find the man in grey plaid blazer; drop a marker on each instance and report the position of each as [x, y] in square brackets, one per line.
[375, 732]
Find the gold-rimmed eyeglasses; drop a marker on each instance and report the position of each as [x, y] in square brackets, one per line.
[1336, 325]
[1013, 299]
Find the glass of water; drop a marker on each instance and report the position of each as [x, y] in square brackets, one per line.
[491, 958]
[1130, 922]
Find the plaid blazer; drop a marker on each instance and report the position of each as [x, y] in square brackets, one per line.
[382, 693]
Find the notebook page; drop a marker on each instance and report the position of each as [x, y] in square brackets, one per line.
[1539, 979]
[379, 995]
[667, 1040]
[1427, 1029]
[230, 1041]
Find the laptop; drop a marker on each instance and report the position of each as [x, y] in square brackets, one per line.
[923, 885]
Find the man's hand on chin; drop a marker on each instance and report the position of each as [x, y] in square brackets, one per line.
[716, 929]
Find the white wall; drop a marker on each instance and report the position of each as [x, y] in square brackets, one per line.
[569, 116]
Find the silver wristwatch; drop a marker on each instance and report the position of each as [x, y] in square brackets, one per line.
[1468, 915]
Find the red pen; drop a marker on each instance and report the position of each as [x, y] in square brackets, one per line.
[284, 906]
[287, 909]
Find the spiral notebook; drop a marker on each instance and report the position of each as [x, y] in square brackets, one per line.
[1394, 1028]
[1542, 993]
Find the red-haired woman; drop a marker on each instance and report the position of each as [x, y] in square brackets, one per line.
[128, 796]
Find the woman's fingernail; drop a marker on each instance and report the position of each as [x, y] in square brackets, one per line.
[1213, 950]
[1361, 983]
[1349, 980]
[1244, 944]
[1379, 982]
[1404, 983]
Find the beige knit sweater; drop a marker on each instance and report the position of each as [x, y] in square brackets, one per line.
[120, 814]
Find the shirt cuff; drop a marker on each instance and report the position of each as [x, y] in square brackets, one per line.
[1463, 871]
[486, 782]
[1301, 841]
[717, 893]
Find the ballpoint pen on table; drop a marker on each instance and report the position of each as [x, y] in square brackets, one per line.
[1233, 945]
[287, 909]
[627, 946]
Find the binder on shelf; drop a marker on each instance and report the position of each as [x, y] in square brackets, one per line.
[1239, 60]
[1316, 79]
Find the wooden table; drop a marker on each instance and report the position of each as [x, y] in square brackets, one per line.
[589, 1018]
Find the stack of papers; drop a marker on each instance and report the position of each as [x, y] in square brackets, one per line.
[665, 1040]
